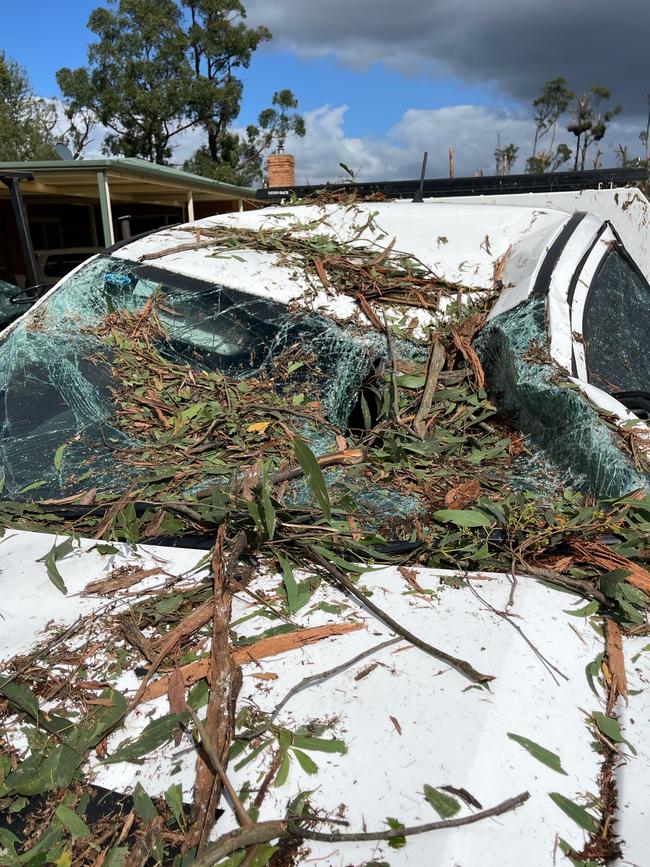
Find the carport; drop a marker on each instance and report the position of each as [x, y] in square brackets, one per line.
[115, 193]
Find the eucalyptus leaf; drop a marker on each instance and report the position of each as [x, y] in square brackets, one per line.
[444, 805]
[579, 815]
[552, 760]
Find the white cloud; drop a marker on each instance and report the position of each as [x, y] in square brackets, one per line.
[472, 130]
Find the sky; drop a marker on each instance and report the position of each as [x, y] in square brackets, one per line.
[380, 81]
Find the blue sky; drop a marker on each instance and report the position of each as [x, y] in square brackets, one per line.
[377, 96]
[380, 81]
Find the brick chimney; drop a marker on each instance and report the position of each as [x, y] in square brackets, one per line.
[282, 170]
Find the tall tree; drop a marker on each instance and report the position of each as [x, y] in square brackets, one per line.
[505, 157]
[549, 107]
[589, 123]
[220, 42]
[241, 157]
[26, 122]
[137, 79]
[159, 68]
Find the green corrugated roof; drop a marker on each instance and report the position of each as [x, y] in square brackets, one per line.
[130, 166]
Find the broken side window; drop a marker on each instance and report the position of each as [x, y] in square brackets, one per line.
[617, 327]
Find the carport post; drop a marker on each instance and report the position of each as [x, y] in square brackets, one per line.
[105, 205]
[190, 206]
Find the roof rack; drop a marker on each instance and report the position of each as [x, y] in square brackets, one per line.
[472, 186]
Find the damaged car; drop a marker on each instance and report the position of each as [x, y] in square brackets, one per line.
[326, 537]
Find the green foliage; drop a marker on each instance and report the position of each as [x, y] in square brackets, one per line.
[589, 123]
[160, 67]
[444, 805]
[549, 107]
[240, 158]
[546, 757]
[26, 122]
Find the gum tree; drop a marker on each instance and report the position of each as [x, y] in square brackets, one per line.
[26, 122]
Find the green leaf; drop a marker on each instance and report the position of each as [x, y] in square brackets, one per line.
[143, 804]
[610, 580]
[305, 762]
[313, 474]
[117, 856]
[44, 773]
[323, 745]
[444, 805]
[106, 549]
[56, 553]
[579, 815]
[174, 800]
[158, 732]
[546, 757]
[58, 456]
[462, 517]
[608, 726]
[71, 822]
[89, 732]
[21, 697]
[411, 381]
[587, 611]
[267, 505]
[283, 771]
[290, 584]
[399, 840]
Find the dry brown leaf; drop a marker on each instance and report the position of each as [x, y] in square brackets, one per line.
[463, 495]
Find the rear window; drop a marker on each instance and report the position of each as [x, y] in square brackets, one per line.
[617, 327]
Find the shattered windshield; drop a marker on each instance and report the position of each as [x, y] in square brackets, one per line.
[118, 329]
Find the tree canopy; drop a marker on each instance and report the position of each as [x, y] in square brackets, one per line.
[161, 67]
[26, 122]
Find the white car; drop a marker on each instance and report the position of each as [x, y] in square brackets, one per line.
[397, 677]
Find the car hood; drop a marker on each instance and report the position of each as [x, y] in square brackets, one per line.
[399, 719]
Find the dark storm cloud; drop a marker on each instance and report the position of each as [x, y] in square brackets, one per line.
[515, 45]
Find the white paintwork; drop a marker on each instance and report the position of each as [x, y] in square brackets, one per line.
[557, 307]
[580, 297]
[457, 242]
[633, 774]
[450, 735]
[627, 209]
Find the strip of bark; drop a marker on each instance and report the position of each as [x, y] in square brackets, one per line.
[615, 659]
[435, 364]
[469, 354]
[262, 649]
[225, 682]
[597, 554]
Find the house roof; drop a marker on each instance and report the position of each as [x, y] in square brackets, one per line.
[130, 180]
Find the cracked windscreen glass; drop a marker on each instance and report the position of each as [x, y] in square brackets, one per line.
[617, 327]
[118, 329]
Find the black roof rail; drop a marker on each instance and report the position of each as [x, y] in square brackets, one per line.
[488, 185]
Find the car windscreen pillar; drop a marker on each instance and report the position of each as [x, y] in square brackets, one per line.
[105, 205]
